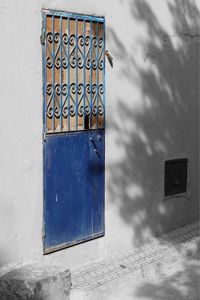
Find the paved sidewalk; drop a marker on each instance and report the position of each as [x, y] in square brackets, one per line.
[164, 269]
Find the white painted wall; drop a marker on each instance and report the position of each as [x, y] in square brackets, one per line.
[152, 115]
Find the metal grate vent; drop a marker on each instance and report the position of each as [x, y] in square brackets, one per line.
[176, 173]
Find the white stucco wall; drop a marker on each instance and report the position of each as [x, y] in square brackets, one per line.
[152, 98]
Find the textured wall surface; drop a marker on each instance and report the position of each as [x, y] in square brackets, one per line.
[152, 101]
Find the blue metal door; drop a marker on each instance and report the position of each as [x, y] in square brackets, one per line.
[74, 122]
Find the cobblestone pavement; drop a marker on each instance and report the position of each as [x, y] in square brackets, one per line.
[176, 252]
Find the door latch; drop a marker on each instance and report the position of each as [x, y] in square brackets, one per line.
[42, 37]
[95, 147]
[109, 57]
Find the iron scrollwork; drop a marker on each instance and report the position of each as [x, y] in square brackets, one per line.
[57, 51]
[75, 64]
[90, 95]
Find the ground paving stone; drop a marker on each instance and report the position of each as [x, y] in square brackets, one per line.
[159, 258]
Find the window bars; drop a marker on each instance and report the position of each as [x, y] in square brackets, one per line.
[74, 72]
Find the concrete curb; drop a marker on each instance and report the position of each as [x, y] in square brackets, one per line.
[36, 282]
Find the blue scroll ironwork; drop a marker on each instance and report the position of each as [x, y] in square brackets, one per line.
[74, 72]
[78, 60]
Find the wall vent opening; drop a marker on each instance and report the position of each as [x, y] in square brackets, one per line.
[176, 173]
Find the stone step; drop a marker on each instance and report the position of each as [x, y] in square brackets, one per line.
[36, 282]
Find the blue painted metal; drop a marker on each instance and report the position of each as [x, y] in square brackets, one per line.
[74, 188]
[104, 70]
[84, 104]
[61, 70]
[73, 161]
[71, 15]
[68, 49]
[53, 76]
[91, 29]
[44, 75]
[76, 51]
[97, 75]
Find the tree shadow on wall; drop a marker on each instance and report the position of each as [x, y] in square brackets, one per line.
[164, 127]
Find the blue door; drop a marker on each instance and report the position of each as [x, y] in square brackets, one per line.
[74, 128]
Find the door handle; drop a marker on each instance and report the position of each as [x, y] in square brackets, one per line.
[99, 138]
[95, 147]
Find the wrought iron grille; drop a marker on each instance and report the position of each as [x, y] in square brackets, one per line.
[74, 65]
